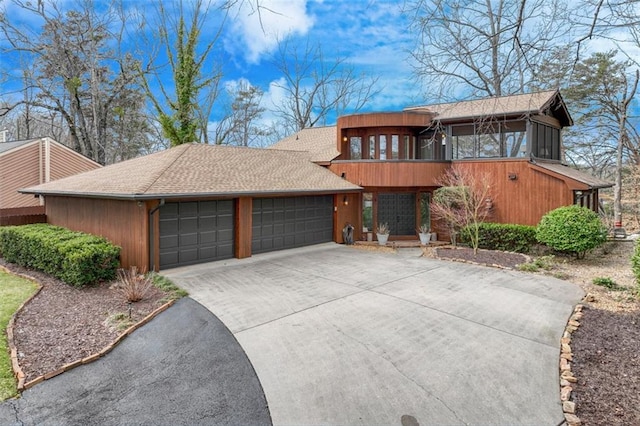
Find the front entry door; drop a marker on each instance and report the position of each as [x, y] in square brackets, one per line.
[398, 210]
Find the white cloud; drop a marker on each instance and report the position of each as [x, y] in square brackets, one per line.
[259, 29]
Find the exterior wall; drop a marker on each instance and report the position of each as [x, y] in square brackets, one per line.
[392, 173]
[243, 227]
[22, 216]
[66, 162]
[124, 223]
[347, 209]
[33, 164]
[525, 199]
[19, 169]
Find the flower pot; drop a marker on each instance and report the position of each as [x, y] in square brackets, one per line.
[382, 239]
[425, 237]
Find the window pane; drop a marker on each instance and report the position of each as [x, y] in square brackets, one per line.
[367, 211]
[489, 145]
[425, 213]
[395, 146]
[407, 147]
[372, 147]
[463, 146]
[355, 142]
[383, 146]
[426, 148]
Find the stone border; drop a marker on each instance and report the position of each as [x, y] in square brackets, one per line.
[567, 379]
[17, 371]
[471, 262]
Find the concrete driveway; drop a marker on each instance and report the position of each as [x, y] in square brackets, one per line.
[344, 336]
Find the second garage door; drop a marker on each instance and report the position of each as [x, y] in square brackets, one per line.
[281, 223]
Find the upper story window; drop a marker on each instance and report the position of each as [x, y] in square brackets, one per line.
[545, 141]
[355, 147]
[489, 140]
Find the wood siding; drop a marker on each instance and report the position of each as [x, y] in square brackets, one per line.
[390, 174]
[124, 223]
[382, 119]
[66, 162]
[22, 216]
[347, 213]
[243, 227]
[525, 199]
[19, 169]
[35, 163]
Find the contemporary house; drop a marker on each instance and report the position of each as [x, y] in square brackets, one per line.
[399, 157]
[196, 203]
[32, 162]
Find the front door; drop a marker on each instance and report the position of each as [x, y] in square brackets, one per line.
[398, 210]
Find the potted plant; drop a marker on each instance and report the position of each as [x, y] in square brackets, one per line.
[382, 232]
[424, 232]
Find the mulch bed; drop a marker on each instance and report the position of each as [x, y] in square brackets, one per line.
[606, 361]
[482, 257]
[63, 324]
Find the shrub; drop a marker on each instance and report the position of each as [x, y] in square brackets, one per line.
[607, 282]
[542, 262]
[133, 285]
[635, 262]
[571, 229]
[74, 257]
[504, 237]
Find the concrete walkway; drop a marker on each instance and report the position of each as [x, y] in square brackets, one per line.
[183, 368]
[345, 336]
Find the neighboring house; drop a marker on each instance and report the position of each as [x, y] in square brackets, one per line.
[197, 203]
[398, 158]
[32, 162]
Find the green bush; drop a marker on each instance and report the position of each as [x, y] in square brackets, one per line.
[607, 282]
[74, 257]
[635, 265]
[571, 229]
[505, 237]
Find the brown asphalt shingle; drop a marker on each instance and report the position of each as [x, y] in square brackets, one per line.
[197, 169]
[319, 142]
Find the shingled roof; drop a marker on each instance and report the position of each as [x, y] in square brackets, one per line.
[501, 106]
[9, 146]
[319, 142]
[585, 180]
[202, 170]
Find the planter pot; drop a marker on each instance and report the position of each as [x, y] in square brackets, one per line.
[382, 239]
[369, 236]
[424, 238]
[434, 236]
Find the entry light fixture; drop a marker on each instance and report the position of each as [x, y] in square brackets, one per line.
[344, 139]
[345, 201]
[513, 176]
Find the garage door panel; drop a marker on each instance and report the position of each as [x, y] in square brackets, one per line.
[291, 222]
[196, 231]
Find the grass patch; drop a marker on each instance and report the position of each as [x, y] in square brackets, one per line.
[166, 285]
[608, 283]
[542, 262]
[13, 292]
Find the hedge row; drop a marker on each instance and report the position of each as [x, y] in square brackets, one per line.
[505, 237]
[74, 257]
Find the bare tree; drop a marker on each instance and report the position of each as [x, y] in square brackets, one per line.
[603, 90]
[72, 72]
[462, 202]
[482, 47]
[315, 88]
[241, 125]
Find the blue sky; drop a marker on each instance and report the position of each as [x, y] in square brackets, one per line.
[373, 35]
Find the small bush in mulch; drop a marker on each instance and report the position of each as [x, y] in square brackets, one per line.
[571, 229]
[503, 237]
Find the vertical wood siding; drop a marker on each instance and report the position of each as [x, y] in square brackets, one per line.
[523, 200]
[390, 173]
[243, 227]
[124, 223]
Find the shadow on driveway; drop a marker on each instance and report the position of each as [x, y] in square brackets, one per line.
[184, 367]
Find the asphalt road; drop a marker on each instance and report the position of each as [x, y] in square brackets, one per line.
[183, 368]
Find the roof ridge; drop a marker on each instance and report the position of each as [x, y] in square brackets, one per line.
[166, 167]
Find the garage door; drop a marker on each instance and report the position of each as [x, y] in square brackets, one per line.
[281, 223]
[195, 232]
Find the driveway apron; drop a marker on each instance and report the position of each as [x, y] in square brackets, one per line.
[339, 335]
